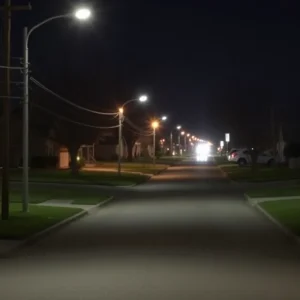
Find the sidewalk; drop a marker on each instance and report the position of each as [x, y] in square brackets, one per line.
[8, 246]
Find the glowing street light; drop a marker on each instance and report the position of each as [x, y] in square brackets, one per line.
[143, 98]
[164, 118]
[83, 13]
[154, 124]
[178, 127]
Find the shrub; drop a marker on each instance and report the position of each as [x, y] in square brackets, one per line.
[43, 162]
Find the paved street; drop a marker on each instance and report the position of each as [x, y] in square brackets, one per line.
[187, 234]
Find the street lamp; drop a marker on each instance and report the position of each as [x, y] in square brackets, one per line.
[142, 98]
[154, 125]
[164, 118]
[179, 146]
[83, 14]
[185, 135]
[80, 14]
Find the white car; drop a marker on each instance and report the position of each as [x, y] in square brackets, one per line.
[231, 153]
[243, 157]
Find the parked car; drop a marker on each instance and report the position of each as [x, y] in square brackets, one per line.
[231, 153]
[243, 157]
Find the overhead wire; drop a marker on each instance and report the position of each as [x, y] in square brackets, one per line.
[11, 68]
[139, 133]
[68, 101]
[72, 121]
[135, 126]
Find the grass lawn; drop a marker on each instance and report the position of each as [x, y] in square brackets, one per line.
[21, 226]
[287, 212]
[221, 160]
[39, 194]
[145, 168]
[275, 192]
[84, 177]
[262, 174]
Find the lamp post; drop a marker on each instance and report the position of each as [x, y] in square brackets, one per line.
[80, 14]
[184, 134]
[187, 144]
[227, 139]
[155, 125]
[179, 146]
[164, 118]
[142, 98]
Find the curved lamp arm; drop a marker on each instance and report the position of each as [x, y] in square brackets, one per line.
[129, 101]
[44, 22]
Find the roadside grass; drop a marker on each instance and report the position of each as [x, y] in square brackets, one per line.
[23, 225]
[261, 174]
[275, 192]
[145, 168]
[39, 194]
[221, 160]
[84, 177]
[287, 212]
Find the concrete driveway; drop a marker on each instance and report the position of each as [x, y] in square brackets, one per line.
[187, 234]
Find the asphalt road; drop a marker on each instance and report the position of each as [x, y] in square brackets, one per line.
[187, 234]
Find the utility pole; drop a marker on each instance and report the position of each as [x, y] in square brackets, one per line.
[8, 8]
[154, 145]
[25, 194]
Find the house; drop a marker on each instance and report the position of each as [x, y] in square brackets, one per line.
[39, 145]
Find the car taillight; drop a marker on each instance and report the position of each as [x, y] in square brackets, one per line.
[233, 154]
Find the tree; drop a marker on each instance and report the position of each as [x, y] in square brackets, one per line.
[70, 126]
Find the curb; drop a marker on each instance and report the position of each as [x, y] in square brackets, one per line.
[281, 227]
[39, 235]
[227, 176]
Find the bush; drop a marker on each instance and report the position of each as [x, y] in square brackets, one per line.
[43, 162]
[80, 163]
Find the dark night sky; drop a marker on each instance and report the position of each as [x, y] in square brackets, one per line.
[213, 66]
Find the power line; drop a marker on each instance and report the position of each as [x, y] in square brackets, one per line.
[69, 102]
[139, 133]
[134, 126]
[71, 121]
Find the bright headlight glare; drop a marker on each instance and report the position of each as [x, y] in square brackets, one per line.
[203, 149]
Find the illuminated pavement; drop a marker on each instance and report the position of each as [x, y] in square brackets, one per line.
[188, 234]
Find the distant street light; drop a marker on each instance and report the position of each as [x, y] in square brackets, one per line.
[142, 99]
[154, 125]
[81, 14]
[179, 142]
[185, 137]
[164, 118]
[227, 140]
